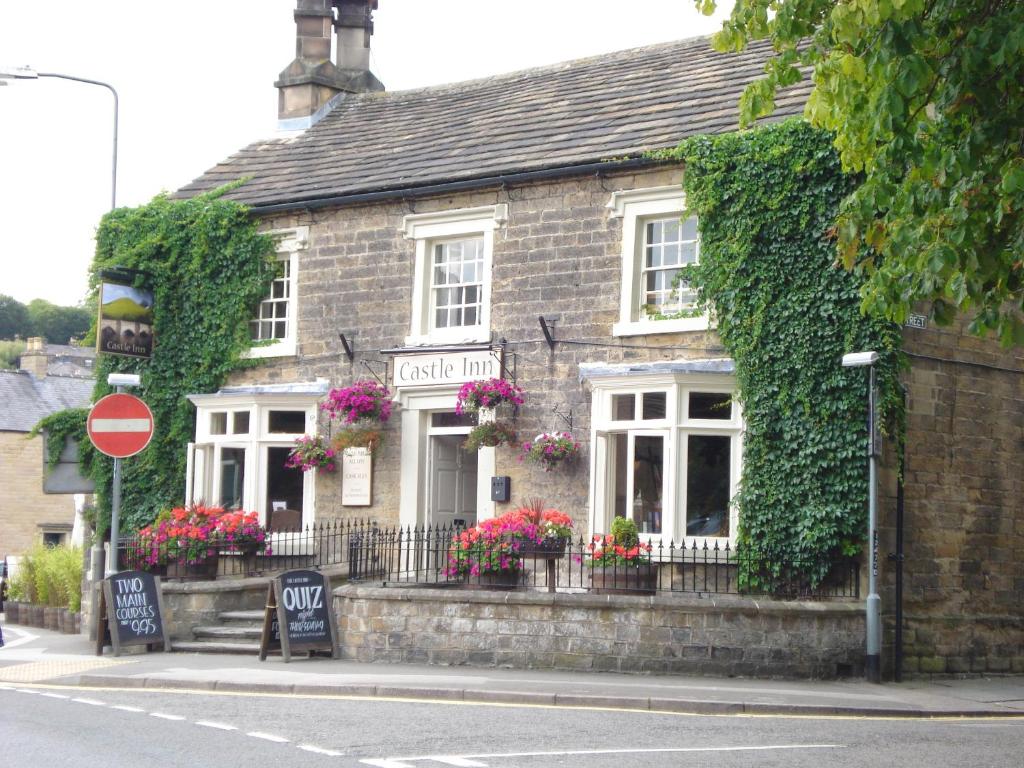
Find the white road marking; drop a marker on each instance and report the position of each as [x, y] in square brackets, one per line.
[405, 762]
[218, 726]
[20, 638]
[91, 702]
[27, 690]
[55, 695]
[320, 750]
[268, 737]
[126, 708]
[460, 762]
[164, 716]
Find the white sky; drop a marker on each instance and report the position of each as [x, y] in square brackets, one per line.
[195, 81]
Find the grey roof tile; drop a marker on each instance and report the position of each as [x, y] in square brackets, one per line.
[616, 105]
[24, 399]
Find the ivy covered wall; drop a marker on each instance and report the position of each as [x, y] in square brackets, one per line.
[208, 269]
[786, 313]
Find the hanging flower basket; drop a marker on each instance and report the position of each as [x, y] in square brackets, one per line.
[490, 434]
[363, 401]
[311, 452]
[368, 437]
[551, 449]
[487, 393]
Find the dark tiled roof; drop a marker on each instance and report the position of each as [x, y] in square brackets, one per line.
[611, 106]
[24, 399]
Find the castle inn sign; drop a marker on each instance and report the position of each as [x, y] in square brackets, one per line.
[445, 367]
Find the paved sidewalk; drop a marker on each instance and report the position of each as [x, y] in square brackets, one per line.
[37, 656]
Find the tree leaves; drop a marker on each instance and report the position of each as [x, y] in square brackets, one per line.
[927, 100]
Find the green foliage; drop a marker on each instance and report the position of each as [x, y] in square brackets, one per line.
[60, 426]
[927, 100]
[13, 317]
[766, 201]
[58, 325]
[10, 351]
[208, 268]
[625, 532]
[50, 576]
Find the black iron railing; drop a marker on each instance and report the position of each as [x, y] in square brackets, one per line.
[404, 556]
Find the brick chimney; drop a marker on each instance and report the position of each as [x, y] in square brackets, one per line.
[34, 358]
[312, 79]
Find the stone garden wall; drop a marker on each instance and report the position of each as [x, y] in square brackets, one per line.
[721, 636]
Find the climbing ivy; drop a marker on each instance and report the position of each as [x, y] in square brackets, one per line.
[766, 202]
[208, 269]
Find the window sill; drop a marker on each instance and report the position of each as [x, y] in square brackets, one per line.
[651, 327]
[284, 348]
[469, 336]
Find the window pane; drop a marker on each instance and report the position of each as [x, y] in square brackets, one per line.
[457, 282]
[623, 407]
[452, 419]
[287, 422]
[240, 423]
[648, 470]
[707, 485]
[232, 477]
[689, 229]
[710, 405]
[654, 405]
[618, 446]
[284, 491]
[218, 423]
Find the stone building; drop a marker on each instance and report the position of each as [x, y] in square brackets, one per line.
[512, 226]
[50, 380]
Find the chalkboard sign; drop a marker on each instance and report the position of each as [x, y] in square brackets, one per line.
[299, 615]
[130, 612]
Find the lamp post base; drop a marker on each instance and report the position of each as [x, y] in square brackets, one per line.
[873, 668]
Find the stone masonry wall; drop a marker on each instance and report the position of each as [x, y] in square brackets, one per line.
[559, 255]
[23, 505]
[964, 506]
[608, 633]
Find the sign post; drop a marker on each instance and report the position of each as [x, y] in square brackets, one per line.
[299, 616]
[119, 426]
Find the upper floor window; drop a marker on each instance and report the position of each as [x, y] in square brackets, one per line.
[451, 300]
[273, 329]
[659, 238]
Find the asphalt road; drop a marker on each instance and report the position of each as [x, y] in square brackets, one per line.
[62, 726]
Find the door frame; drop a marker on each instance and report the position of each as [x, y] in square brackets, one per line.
[417, 405]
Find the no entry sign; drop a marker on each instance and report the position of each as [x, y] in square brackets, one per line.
[120, 425]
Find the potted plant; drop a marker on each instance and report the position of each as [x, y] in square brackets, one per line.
[489, 434]
[487, 394]
[363, 401]
[311, 452]
[185, 540]
[550, 449]
[491, 554]
[552, 529]
[619, 562]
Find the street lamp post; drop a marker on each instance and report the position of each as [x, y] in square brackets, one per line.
[26, 73]
[873, 607]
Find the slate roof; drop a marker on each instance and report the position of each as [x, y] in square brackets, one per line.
[589, 110]
[24, 399]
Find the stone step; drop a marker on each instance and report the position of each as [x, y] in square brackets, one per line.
[227, 633]
[252, 617]
[191, 646]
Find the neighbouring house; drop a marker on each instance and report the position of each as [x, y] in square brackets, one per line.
[52, 378]
[515, 227]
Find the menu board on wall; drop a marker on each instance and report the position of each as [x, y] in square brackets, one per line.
[356, 477]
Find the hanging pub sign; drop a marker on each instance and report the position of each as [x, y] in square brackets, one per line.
[299, 616]
[130, 612]
[125, 325]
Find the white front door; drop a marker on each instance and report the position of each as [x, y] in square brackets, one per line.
[453, 482]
